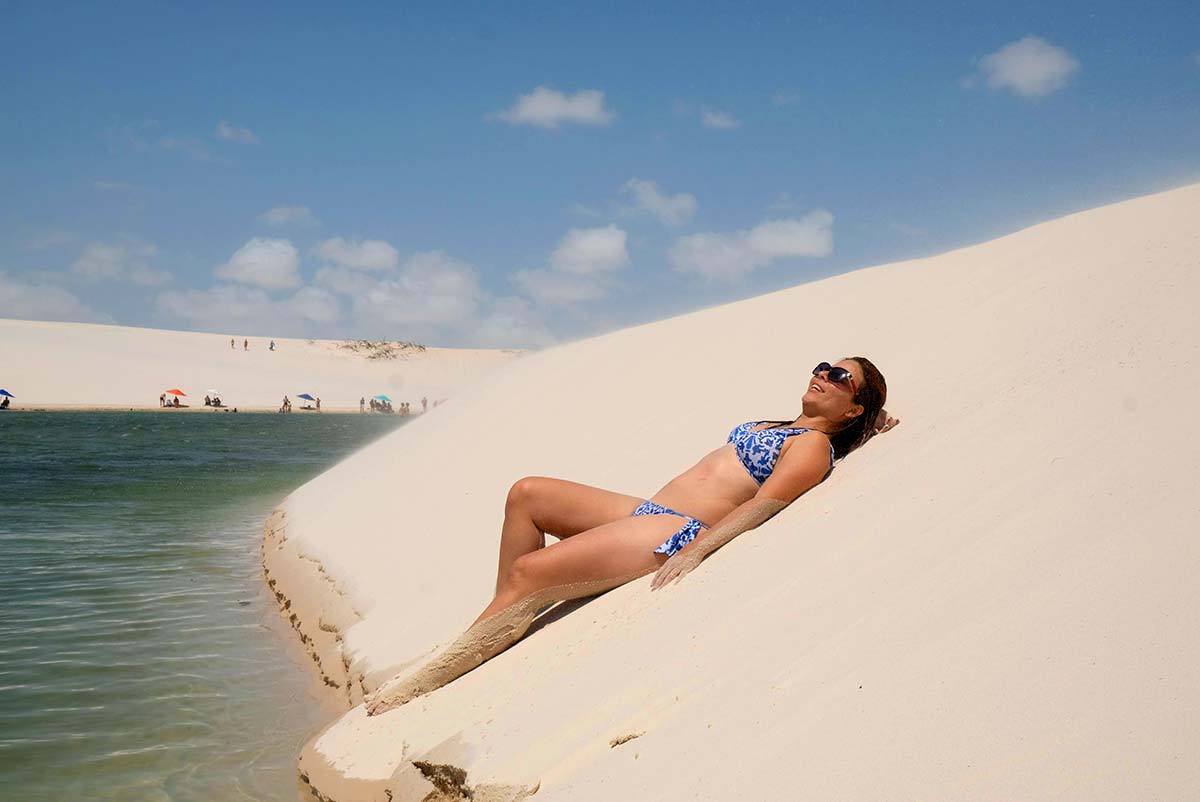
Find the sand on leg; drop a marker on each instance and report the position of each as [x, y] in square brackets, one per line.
[588, 563]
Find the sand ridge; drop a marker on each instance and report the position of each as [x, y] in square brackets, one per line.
[996, 601]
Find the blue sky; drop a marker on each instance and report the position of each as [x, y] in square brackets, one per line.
[533, 173]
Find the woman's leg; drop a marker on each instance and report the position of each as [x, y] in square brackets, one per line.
[538, 505]
[588, 563]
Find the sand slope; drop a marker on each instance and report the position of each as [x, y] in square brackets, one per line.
[998, 600]
[79, 364]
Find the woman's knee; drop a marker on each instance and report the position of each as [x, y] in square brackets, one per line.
[523, 491]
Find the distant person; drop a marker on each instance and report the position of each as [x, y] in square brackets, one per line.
[272, 345]
[362, 405]
[162, 399]
[230, 343]
[207, 401]
[424, 403]
[245, 345]
[176, 402]
[4, 403]
[318, 403]
[286, 406]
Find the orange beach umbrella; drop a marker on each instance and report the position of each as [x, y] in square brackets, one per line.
[177, 392]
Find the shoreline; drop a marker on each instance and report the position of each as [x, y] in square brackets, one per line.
[72, 366]
[240, 410]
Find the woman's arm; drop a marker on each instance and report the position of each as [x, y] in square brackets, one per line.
[803, 466]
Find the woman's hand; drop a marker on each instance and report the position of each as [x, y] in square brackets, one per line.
[884, 421]
[677, 566]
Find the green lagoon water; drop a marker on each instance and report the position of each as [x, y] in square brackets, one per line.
[141, 656]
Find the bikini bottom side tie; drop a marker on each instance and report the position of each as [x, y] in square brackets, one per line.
[678, 540]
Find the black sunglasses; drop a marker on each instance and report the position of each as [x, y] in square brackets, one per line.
[835, 375]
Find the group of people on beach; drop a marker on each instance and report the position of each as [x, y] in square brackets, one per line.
[163, 401]
[385, 406]
[377, 406]
[246, 345]
[214, 401]
[286, 406]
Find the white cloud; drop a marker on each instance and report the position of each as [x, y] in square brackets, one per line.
[123, 261]
[233, 133]
[273, 264]
[587, 251]
[718, 120]
[232, 307]
[1029, 68]
[548, 108]
[670, 209]
[580, 267]
[369, 254]
[191, 147]
[289, 215]
[36, 300]
[554, 287]
[432, 292]
[345, 281]
[512, 323]
[728, 257]
[433, 296]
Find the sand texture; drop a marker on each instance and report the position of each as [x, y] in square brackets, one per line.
[997, 600]
[65, 365]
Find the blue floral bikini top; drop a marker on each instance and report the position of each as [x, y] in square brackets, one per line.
[759, 450]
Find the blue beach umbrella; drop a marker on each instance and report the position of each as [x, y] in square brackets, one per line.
[7, 393]
[306, 397]
[383, 398]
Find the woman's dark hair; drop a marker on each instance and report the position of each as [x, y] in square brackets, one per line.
[872, 396]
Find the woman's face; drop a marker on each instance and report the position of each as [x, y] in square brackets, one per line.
[831, 400]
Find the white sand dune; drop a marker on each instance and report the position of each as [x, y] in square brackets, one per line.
[998, 600]
[85, 365]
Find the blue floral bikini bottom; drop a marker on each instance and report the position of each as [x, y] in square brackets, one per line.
[678, 540]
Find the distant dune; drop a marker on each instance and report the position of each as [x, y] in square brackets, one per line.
[85, 365]
[996, 601]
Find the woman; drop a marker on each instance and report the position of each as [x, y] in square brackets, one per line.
[607, 539]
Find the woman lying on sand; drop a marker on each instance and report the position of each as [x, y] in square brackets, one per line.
[608, 539]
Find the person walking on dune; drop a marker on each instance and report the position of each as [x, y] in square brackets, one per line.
[606, 539]
[245, 345]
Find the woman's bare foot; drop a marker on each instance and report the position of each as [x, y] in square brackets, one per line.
[481, 642]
